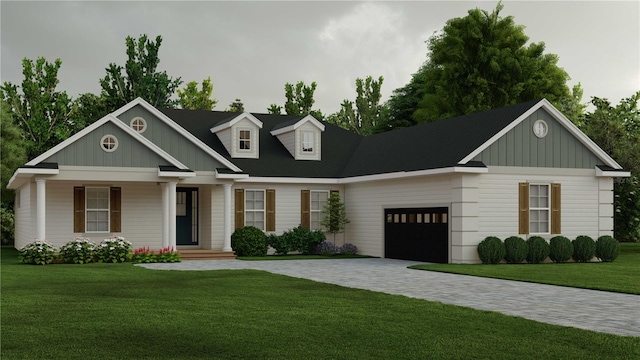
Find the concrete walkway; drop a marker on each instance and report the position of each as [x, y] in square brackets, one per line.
[600, 311]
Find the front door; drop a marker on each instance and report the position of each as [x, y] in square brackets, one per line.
[186, 216]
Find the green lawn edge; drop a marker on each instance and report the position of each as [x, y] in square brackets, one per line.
[621, 275]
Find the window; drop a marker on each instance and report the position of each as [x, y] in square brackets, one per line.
[254, 208]
[138, 124]
[245, 140]
[97, 209]
[318, 201]
[539, 209]
[109, 143]
[308, 141]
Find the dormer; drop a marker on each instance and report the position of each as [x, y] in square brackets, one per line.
[240, 135]
[301, 137]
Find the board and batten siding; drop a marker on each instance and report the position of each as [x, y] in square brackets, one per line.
[24, 222]
[520, 147]
[365, 203]
[171, 141]
[87, 151]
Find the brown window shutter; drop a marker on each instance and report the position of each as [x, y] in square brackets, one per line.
[523, 207]
[239, 208]
[556, 223]
[78, 209]
[305, 208]
[115, 209]
[271, 209]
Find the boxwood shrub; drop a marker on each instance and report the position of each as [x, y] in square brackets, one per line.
[491, 250]
[560, 249]
[515, 250]
[607, 248]
[249, 241]
[538, 250]
[584, 248]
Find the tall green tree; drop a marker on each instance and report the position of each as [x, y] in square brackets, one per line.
[476, 63]
[193, 99]
[139, 77]
[236, 106]
[334, 215]
[12, 152]
[300, 100]
[40, 111]
[368, 113]
[86, 109]
[274, 109]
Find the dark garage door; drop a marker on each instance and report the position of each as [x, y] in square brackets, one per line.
[417, 234]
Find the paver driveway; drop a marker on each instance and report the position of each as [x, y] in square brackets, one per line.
[586, 309]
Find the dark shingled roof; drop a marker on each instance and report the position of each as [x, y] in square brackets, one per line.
[344, 154]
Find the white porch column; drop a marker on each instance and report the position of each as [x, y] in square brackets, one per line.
[172, 213]
[165, 214]
[226, 246]
[41, 202]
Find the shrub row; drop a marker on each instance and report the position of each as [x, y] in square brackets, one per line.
[559, 249]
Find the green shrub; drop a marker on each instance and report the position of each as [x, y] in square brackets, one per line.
[491, 250]
[39, 252]
[7, 226]
[143, 255]
[279, 243]
[584, 248]
[560, 249]
[515, 250]
[114, 249]
[607, 248]
[249, 241]
[79, 251]
[538, 250]
[297, 239]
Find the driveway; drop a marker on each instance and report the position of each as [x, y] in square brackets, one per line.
[595, 310]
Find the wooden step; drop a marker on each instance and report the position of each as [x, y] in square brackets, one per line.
[203, 254]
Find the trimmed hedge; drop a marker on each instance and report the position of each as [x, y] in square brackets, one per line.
[298, 239]
[491, 250]
[516, 250]
[249, 241]
[584, 248]
[560, 249]
[607, 248]
[538, 250]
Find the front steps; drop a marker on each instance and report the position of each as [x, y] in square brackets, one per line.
[204, 254]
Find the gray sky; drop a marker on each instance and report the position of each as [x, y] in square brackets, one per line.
[251, 49]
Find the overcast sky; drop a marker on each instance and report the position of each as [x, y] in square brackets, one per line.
[251, 49]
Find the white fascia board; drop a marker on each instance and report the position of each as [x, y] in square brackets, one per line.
[299, 123]
[287, 180]
[172, 124]
[176, 174]
[604, 173]
[231, 176]
[24, 173]
[566, 123]
[233, 121]
[407, 174]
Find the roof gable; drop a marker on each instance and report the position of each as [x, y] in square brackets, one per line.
[294, 124]
[229, 122]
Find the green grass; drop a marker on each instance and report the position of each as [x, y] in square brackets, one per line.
[300, 257]
[121, 311]
[621, 275]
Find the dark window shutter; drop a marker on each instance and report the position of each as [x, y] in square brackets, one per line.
[78, 209]
[523, 207]
[305, 207]
[556, 222]
[115, 209]
[239, 208]
[271, 210]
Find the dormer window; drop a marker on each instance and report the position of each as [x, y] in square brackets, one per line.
[301, 137]
[244, 140]
[308, 141]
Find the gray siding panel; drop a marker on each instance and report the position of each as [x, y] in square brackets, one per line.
[87, 151]
[520, 147]
[171, 141]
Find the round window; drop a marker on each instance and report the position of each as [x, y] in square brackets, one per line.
[138, 124]
[109, 143]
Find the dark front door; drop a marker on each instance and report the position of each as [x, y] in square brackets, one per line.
[186, 216]
[417, 234]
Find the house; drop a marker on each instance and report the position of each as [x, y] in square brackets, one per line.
[431, 192]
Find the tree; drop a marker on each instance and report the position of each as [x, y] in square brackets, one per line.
[300, 100]
[140, 78]
[41, 112]
[477, 63]
[236, 106]
[334, 215]
[193, 99]
[12, 150]
[368, 113]
[86, 109]
[274, 109]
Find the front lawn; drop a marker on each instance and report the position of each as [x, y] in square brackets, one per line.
[621, 275]
[121, 311]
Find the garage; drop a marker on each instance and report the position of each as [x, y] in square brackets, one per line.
[419, 234]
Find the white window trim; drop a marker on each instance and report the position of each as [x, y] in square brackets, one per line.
[115, 146]
[86, 210]
[319, 211]
[250, 149]
[144, 124]
[547, 209]
[263, 210]
[303, 143]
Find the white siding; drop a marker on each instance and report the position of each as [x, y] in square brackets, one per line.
[24, 230]
[225, 139]
[289, 142]
[365, 204]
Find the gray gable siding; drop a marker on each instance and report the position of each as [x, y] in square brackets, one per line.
[171, 141]
[87, 151]
[520, 147]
